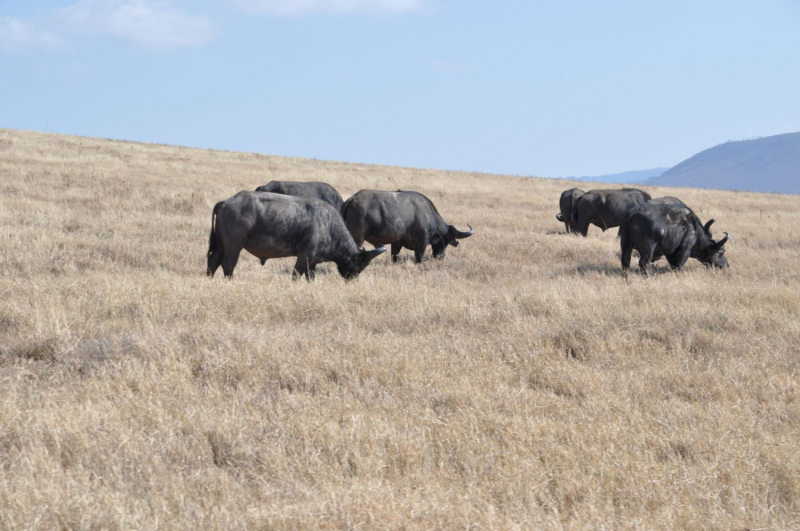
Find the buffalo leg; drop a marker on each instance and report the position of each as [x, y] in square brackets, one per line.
[678, 259]
[419, 252]
[626, 257]
[214, 261]
[229, 260]
[626, 248]
[396, 248]
[304, 267]
[646, 257]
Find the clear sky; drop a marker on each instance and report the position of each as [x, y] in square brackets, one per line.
[549, 88]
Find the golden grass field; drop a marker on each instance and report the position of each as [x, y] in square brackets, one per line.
[521, 383]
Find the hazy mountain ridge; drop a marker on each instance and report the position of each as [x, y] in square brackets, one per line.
[633, 176]
[769, 164]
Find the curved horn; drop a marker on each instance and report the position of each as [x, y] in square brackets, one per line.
[458, 234]
[709, 223]
[374, 252]
[722, 241]
[559, 217]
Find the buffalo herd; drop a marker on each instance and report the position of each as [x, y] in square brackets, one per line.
[653, 227]
[309, 220]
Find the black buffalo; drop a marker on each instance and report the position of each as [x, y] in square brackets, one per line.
[313, 190]
[402, 219]
[669, 230]
[567, 206]
[668, 200]
[605, 208]
[271, 225]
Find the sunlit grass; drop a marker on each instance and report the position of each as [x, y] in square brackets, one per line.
[520, 383]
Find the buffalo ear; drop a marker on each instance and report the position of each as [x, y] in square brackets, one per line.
[559, 217]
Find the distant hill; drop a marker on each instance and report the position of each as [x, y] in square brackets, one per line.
[634, 176]
[770, 164]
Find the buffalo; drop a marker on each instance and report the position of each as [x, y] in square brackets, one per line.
[313, 190]
[605, 208]
[567, 206]
[668, 200]
[402, 219]
[270, 225]
[669, 230]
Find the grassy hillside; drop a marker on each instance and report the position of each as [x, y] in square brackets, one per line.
[520, 383]
[770, 164]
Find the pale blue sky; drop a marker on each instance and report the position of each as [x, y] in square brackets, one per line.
[550, 88]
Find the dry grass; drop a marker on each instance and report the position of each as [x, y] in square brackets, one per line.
[521, 383]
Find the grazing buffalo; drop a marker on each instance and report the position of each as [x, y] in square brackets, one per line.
[322, 191]
[672, 231]
[567, 205]
[402, 219]
[668, 200]
[271, 225]
[605, 208]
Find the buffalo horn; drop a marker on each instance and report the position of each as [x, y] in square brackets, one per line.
[559, 217]
[375, 252]
[458, 234]
[721, 242]
[708, 223]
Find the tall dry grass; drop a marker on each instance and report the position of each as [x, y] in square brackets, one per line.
[521, 383]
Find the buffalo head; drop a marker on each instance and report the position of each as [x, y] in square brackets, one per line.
[351, 268]
[440, 241]
[714, 254]
[453, 235]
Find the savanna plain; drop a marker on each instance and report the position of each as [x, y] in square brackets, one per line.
[520, 383]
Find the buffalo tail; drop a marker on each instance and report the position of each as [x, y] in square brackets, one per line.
[213, 238]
